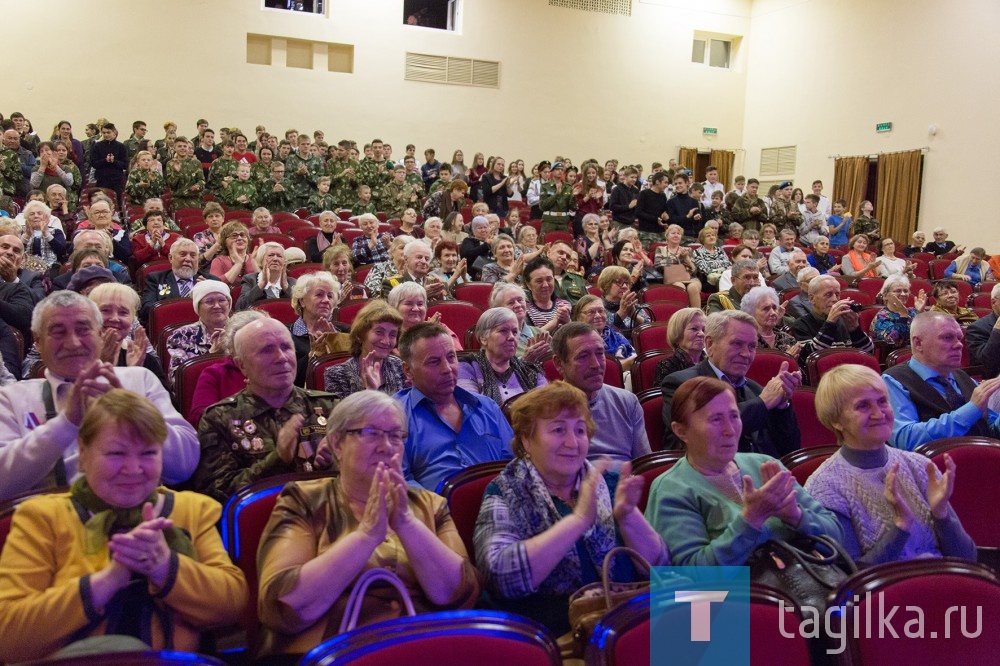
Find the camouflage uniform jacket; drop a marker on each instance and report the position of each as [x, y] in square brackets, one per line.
[417, 182]
[370, 175]
[303, 185]
[239, 188]
[132, 146]
[187, 185]
[281, 201]
[72, 192]
[868, 226]
[154, 185]
[344, 188]
[742, 214]
[222, 168]
[437, 185]
[239, 436]
[398, 197]
[10, 171]
[260, 172]
[320, 202]
[361, 208]
[785, 215]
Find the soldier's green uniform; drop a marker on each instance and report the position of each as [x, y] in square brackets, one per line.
[437, 185]
[132, 146]
[397, 197]
[260, 172]
[417, 182]
[300, 185]
[555, 206]
[72, 192]
[239, 437]
[241, 188]
[785, 215]
[186, 185]
[153, 189]
[222, 168]
[10, 171]
[343, 186]
[571, 286]
[375, 174]
[868, 226]
[361, 208]
[320, 202]
[277, 201]
[742, 214]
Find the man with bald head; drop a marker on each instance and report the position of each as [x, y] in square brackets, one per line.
[831, 322]
[270, 427]
[93, 240]
[11, 252]
[789, 279]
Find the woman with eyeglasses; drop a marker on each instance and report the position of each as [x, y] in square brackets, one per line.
[235, 260]
[324, 533]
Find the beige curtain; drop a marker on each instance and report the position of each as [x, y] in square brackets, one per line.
[688, 158]
[898, 194]
[850, 181]
[723, 161]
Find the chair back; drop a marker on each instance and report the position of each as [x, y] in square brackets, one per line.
[186, 379]
[769, 643]
[345, 313]
[464, 493]
[302, 234]
[938, 267]
[147, 269]
[612, 371]
[825, 359]
[813, 432]
[898, 356]
[299, 270]
[644, 370]
[662, 311]
[621, 638]
[283, 240]
[767, 363]
[277, 308]
[803, 463]
[316, 369]
[859, 296]
[651, 466]
[169, 312]
[651, 337]
[477, 293]
[459, 316]
[451, 638]
[664, 292]
[651, 402]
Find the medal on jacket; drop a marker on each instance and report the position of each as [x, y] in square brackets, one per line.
[320, 419]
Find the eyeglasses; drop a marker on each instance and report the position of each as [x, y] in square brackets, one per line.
[372, 435]
[623, 282]
[237, 235]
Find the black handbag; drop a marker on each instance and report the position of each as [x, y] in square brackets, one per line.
[806, 569]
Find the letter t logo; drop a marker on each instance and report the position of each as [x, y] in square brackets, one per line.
[701, 611]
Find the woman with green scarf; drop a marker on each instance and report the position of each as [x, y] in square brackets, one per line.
[116, 555]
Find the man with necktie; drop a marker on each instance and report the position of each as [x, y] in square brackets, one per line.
[176, 282]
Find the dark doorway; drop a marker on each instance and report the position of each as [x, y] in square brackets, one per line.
[426, 13]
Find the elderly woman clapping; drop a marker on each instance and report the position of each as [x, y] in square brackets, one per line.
[716, 506]
[763, 304]
[117, 554]
[372, 366]
[324, 534]
[495, 371]
[892, 323]
[892, 504]
[550, 517]
[124, 340]
[213, 305]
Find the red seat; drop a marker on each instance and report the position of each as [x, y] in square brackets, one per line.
[897, 356]
[298, 270]
[768, 643]
[464, 493]
[240, 215]
[302, 234]
[317, 367]
[813, 432]
[663, 310]
[287, 225]
[938, 267]
[243, 520]
[651, 402]
[650, 337]
[148, 268]
[651, 466]
[871, 286]
[348, 235]
[867, 316]
[981, 300]
[858, 296]
[612, 371]
[186, 380]
[381, 217]
[804, 462]
[553, 236]
[459, 316]
[345, 313]
[767, 363]
[923, 593]
[302, 213]
[190, 230]
[921, 269]
[825, 359]
[169, 312]
[987, 286]
[924, 256]
[344, 214]
[976, 494]
[644, 370]
[484, 638]
[789, 294]
[280, 215]
[664, 292]
[477, 293]
[278, 308]
[621, 638]
[282, 239]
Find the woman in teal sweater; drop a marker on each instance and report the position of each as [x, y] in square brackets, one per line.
[716, 506]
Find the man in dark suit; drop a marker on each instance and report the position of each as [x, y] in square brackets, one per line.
[271, 281]
[789, 279]
[178, 281]
[769, 424]
[11, 252]
[91, 239]
[983, 337]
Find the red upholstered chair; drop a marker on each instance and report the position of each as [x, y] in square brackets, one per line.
[154, 266]
[789, 294]
[344, 214]
[804, 462]
[938, 267]
[652, 415]
[767, 363]
[987, 286]
[821, 361]
[612, 371]
[921, 269]
[651, 466]
[186, 380]
[317, 366]
[143, 658]
[280, 216]
[981, 300]
[348, 235]
[871, 286]
[923, 256]
[278, 308]
[644, 370]
[553, 236]
[664, 292]
[243, 520]
[484, 638]
[813, 432]
[621, 638]
[858, 296]
[901, 355]
[916, 284]
[650, 337]
[298, 270]
[302, 234]
[459, 316]
[768, 645]
[239, 215]
[662, 311]
[287, 225]
[190, 230]
[964, 292]
[361, 272]
[867, 316]
[345, 313]
[477, 293]
[284, 240]
[928, 591]
[977, 494]
[464, 493]
[168, 312]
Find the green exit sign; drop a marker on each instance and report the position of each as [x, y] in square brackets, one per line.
[710, 130]
[883, 127]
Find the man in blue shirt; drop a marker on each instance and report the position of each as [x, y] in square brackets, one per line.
[972, 268]
[930, 396]
[449, 428]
